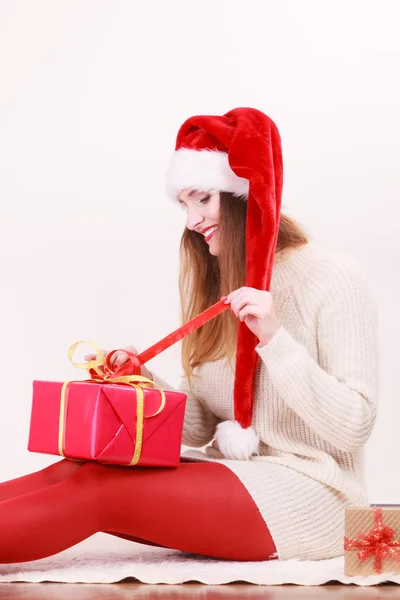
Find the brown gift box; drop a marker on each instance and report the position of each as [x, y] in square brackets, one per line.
[373, 531]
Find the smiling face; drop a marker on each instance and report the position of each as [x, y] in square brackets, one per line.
[203, 213]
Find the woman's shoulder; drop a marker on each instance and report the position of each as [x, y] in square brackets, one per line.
[326, 260]
[319, 269]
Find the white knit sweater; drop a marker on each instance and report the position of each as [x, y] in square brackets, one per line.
[315, 403]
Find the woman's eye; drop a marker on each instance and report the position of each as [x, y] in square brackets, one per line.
[205, 199]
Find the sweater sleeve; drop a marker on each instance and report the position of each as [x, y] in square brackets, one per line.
[200, 423]
[336, 396]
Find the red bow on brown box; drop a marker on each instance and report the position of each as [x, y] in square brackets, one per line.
[372, 540]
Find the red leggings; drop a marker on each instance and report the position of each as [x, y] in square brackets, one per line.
[201, 508]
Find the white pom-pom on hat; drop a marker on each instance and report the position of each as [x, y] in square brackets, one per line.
[235, 442]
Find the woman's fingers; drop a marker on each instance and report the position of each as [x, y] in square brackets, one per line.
[131, 349]
[119, 357]
[94, 356]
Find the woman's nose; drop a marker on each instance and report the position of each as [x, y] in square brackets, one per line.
[193, 220]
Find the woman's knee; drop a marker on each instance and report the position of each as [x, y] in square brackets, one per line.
[92, 477]
[60, 470]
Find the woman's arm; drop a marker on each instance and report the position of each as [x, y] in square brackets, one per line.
[336, 396]
[200, 423]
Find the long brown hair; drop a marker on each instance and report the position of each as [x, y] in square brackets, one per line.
[204, 278]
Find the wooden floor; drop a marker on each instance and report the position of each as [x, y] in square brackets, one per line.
[133, 591]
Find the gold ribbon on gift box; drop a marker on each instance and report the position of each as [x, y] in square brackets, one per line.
[138, 382]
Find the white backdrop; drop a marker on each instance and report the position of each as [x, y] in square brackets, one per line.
[92, 94]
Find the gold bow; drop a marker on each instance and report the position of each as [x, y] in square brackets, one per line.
[138, 382]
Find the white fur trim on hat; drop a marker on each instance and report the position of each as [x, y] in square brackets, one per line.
[235, 442]
[203, 170]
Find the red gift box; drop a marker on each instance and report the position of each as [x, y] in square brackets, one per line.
[103, 422]
[117, 417]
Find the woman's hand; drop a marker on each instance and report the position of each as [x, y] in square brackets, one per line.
[120, 358]
[256, 309]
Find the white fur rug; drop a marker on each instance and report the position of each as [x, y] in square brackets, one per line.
[106, 559]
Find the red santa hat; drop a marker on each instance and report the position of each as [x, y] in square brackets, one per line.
[239, 152]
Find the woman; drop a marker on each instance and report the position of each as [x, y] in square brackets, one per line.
[283, 386]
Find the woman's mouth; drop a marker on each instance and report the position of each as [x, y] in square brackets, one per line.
[210, 233]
